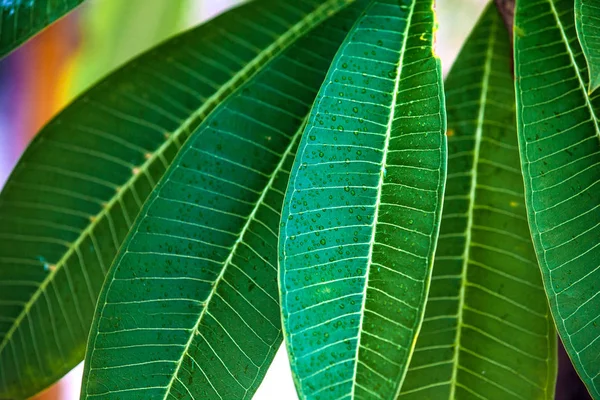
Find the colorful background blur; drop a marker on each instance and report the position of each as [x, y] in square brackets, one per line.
[49, 71]
[45, 74]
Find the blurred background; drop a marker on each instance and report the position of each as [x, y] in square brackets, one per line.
[49, 71]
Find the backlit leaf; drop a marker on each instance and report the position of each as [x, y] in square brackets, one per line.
[361, 215]
[75, 193]
[190, 308]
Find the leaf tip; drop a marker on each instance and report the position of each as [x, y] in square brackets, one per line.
[594, 84]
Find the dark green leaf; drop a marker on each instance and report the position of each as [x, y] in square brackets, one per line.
[559, 140]
[487, 331]
[587, 23]
[190, 308]
[75, 193]
[362, 211]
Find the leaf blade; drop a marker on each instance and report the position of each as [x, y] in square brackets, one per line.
[559, 142]
[79, 186]
[329, 306]
[234, 171]
[589, 37]
[487, 326]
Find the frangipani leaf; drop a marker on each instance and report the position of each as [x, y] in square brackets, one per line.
[190, 308]
[78, 188]
[21, 19]
[487, 331]
[361, 215]
[587, 24]
[559, 141]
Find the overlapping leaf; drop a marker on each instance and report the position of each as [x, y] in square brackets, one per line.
[559, 140]
[21, 19]
[361, 214]
[189, 309]
[587, 23]
[78, 188]
[487, 331]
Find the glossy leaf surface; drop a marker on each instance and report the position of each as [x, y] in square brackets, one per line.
[361, 215]
[190, 308]
[487, 332]
[21, 19]
[78, 188]
[587, 24]
[559, 140]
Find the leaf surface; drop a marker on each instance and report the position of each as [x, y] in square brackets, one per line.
[21, 19]
[190, 308]
[78, 188]
[559, 141]
[587, 24]
[361, 215]
[487, 332]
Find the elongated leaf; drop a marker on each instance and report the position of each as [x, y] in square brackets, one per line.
[75, 193]
[190, 307]
[559, 141]
[587, 23]
[487, 332]
[361, 214]
[21, 19]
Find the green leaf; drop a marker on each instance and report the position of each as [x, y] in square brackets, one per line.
[559, 141]
[587, 24]
[487, 331]
[190, 308]
[21, 19]
[362, 210]
[73, 196]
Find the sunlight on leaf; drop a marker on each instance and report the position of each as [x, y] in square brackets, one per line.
[361, 215]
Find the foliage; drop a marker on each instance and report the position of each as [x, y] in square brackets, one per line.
[361, 215]
[222, 299]
[297, 169]
[587, 15]
[559, 137]
[487, 329]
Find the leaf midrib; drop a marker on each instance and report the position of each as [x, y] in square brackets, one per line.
[472, 193]
[259, 202]
[388, 134]
[250, 69]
